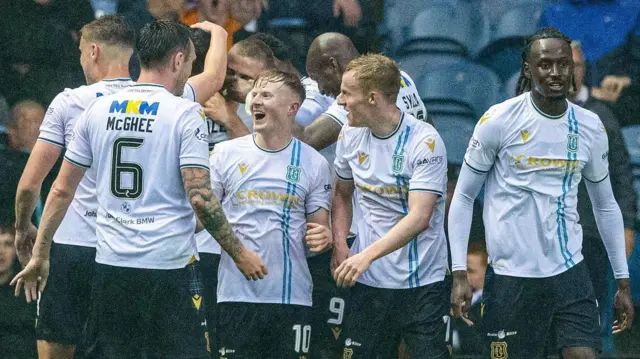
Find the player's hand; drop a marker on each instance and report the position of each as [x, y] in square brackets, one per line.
[624, 307]
[251, 265]
[351, 269]
[210, 27]
[221, 110]
[36, 269]
[350, 10]
[340, 254]
[24, 241]
[318, 237]
[461, 296]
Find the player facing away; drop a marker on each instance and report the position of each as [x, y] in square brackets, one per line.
[106, 45]
[146, 259]
[396, 166]
[276, 192]
[531, 152]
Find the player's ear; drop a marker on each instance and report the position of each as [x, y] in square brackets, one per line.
[295, 106]
[177, 60]
[371, 98]
[95, 52]
[333, 65]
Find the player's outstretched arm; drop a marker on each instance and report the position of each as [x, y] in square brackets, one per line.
[421, 205]
[197, 185]
[460, 217]
[41, 160]
[321, 133]
[211, 79]
[62, 192]
[611, 227]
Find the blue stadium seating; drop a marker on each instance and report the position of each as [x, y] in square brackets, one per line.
[503, 53]
[416, 64]
[456, 132]
[631, 135]
[464, 88]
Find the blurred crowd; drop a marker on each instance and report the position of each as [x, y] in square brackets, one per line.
[39, 58]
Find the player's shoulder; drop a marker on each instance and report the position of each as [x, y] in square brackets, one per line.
[406, 80]
[238, 144]
[506, 111]
[310, 85]
[586, 119]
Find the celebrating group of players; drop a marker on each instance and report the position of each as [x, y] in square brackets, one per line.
[177, 231]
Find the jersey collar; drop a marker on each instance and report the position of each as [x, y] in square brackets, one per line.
[253, 137]
[538, 110]
[394, 131]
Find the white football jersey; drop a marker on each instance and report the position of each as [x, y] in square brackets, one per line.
[138, 139]
[267, 196]
[78, 227]
[384, 171]
[408, 101]
[535, 163]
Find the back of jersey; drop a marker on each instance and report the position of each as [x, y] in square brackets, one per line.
[78, 226]
[138, 140]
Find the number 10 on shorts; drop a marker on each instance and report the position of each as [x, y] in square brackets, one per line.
[303, 338]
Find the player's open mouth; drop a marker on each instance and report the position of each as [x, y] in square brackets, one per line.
[259, 115]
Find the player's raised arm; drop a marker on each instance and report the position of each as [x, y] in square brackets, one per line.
[211, 79]
[321, 133]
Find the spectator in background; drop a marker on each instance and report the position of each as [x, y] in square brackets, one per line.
[622, 183]
[22, 132]
[38, 47]
[469, 339]
[4, 119]
[17, 330]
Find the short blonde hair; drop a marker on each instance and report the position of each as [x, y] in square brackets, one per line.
[376, 72]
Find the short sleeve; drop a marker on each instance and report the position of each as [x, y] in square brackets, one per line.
[79, 150]
[189, 93]
[216, 164]
[320, 191]
[194, 141]
[53, 125]
[429, 164]
[337, 113]
[484, 144]
[597, 168]
[341, 163]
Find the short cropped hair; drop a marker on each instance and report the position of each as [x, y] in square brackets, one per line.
[201, 40]
[112, 30]
[376, 72]
[159, 39]
[256, 50]
[289, 80]
[280, 49]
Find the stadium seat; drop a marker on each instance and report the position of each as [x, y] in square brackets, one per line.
[440, 28]
[416, 64]
[456, 133]
[504, 51]
[464, 88]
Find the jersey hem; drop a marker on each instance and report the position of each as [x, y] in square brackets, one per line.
[194, 165]
[222, 299]
[43, 139]
[603, 178]
[536, 275]
[68, 243]
[344, 178]
[386, 285]
[125, 263]
[426, 190]
[75, 163]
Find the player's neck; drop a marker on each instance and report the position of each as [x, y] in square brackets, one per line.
[382, 126]
[549, 105]
[158, 78]
[273, 141]
[115, 70]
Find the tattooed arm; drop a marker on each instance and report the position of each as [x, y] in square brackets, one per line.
[197, 185]
[55, 208]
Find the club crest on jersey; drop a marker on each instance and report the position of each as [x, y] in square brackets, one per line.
[499, 350]
[362, 157]
[293, 174]
[398, 162]
[572, 143]
[243, 167]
